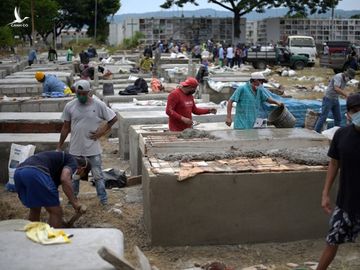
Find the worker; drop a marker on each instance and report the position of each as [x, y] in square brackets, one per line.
[248, 98]
[91, 51]
[51, 84]
[344, 155]
[38, 178]
[180, 105]
[330, 101]
[52, 55]
[146, 64]
[85, 117]
[69, 54]
[32, 56]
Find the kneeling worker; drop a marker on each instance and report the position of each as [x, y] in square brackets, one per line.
[51, 83]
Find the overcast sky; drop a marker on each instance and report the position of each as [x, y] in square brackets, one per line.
[140, 6]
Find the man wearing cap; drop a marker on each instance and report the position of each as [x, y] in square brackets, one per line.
[344, 153]
[330, 101]
[180, 106]
[84, 117]
[248, 98]
[51, 83]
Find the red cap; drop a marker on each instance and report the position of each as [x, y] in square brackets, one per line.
[190, 82]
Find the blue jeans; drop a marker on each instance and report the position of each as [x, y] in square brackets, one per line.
[97, 173]
[328, 105]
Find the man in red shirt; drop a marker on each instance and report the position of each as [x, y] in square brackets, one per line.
[181, 105]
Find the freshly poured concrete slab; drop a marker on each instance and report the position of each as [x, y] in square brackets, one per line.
[135, 154]
[128, 107]
[232, 208]
[29, 104]
[42, 142]
[19, 252]
[25, 122]
[126, 119]
[232, 140]
[129, 98]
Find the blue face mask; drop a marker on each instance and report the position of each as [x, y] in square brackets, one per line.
[355, 119]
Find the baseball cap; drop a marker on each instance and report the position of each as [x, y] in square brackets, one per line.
[82, 85]
[190, 82]
[258, 76]
[350, 73]
[353, 101]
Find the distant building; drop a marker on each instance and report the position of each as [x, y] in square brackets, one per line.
[185, 29]
[322, 30]
[251, 32]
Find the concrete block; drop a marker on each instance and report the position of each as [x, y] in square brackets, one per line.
[81, 254]
[233, 208]
[30, 107]
[126, 119]
[137, 133]
[20, 91]
[10, 107]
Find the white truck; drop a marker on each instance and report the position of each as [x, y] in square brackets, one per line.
[302, 45]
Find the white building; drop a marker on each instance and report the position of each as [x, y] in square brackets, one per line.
[251, 32]
[184, 29]
[322, 30]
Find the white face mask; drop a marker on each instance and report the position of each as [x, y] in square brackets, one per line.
[75, 176]
[355, 119]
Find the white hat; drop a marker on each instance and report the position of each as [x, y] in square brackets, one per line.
[258, 76]
[82, 85]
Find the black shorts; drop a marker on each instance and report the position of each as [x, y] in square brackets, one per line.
[343, 228]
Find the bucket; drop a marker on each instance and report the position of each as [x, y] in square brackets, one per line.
[282, 118]
[108, 89]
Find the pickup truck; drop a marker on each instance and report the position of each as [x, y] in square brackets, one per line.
[276, 56]
[339, 59]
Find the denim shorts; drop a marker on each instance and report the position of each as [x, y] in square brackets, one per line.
[343, 227]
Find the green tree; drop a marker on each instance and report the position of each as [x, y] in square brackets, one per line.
[82, 12]
[357, 16]
[6, 37]
[242, 7]
[46, 17]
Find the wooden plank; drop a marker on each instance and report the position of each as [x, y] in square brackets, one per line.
[119, 263]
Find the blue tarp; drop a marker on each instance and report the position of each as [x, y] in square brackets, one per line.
[298, 108]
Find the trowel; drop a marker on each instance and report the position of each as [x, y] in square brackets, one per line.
[75, 217]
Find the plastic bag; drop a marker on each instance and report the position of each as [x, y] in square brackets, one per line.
[114, 178]
[18, 154]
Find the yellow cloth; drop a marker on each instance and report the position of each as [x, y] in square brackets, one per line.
[42, 233]
[67, 91]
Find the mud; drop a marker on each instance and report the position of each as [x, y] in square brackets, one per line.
[195, 133]
[306, 156]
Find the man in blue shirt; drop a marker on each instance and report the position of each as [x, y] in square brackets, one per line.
[50, 83]
[37, 180]
[248, 98]
[31, 57]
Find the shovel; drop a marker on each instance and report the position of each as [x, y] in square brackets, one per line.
[75, 217]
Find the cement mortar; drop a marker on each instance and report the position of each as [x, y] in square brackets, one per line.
[195, 133]
[307, 156]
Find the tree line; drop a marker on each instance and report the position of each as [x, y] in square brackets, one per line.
[50, 15]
